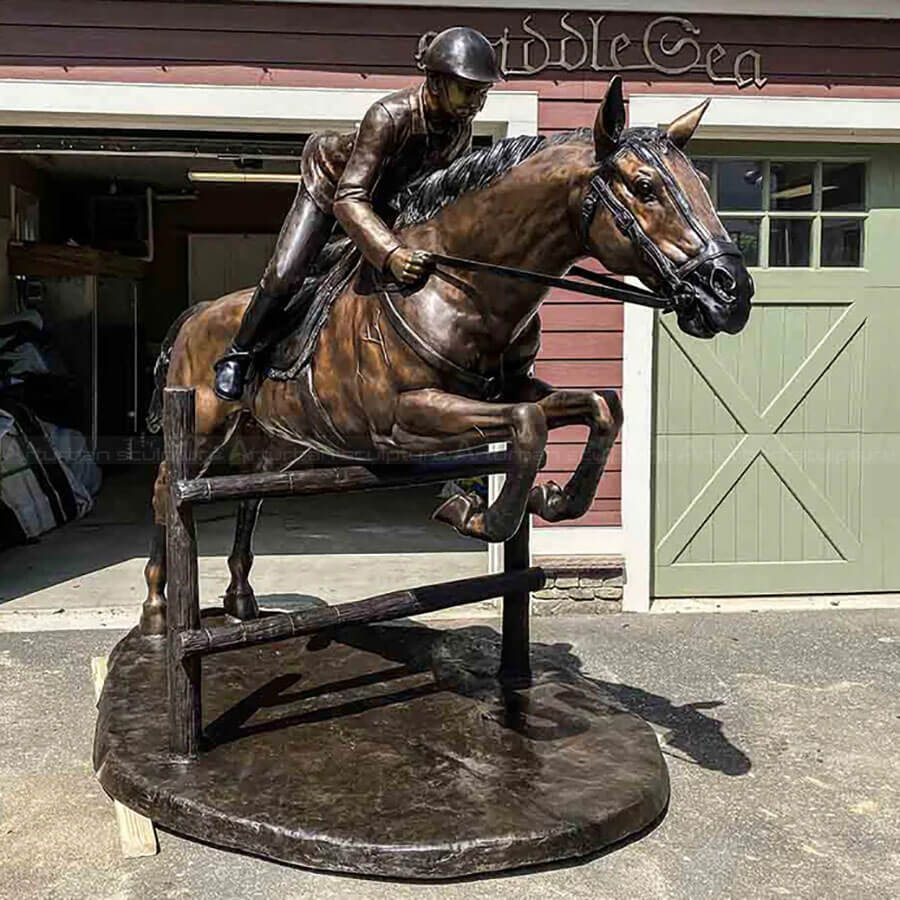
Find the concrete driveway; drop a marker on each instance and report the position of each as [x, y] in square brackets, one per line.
[780, 730]
[336, 548]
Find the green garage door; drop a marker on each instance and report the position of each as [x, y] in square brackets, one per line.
[777, 451]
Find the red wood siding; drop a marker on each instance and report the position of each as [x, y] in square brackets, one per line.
[335, 46]
[582, 348]
[379, 40]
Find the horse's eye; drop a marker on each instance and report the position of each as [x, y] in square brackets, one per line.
[644, 190]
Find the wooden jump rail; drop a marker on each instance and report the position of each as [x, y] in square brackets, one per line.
[340, 480]
[188, 641]
[395, 605]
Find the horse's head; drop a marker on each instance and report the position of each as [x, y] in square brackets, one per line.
[646, 212]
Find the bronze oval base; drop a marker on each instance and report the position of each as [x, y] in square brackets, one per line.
[385, 750]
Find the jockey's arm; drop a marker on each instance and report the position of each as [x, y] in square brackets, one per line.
[375, 141]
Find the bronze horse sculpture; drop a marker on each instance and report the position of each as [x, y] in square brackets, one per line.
[446, 366]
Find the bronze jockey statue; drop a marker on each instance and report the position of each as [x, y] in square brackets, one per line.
[352, 177]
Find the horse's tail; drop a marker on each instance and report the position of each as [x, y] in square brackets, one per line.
[161, 368]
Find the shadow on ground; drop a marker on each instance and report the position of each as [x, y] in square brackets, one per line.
[467, 658]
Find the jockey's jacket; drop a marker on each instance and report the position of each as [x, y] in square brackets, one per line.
[353, 175]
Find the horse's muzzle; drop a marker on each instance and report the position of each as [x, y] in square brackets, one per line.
[723, 289]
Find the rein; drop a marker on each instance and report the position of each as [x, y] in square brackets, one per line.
[677, 289]
[603, 286]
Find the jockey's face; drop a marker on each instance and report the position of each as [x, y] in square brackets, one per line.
[457, 98]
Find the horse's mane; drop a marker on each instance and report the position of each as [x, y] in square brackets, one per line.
[426, 198]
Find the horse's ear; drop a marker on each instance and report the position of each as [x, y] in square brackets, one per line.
[610, 119]
[683, 128]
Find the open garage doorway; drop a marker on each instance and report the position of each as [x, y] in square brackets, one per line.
[118, 232]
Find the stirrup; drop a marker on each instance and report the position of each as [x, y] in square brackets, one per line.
[233, 370]
[242, 357]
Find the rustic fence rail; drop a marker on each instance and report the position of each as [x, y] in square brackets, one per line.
[339, 480]
[188, 641]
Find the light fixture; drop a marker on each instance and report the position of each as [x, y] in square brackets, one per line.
[792, 193]
[246, 177]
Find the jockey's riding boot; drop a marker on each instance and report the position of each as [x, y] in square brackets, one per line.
[231, 373]
[232, 369]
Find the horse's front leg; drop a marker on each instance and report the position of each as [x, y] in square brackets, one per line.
[430, 420]
[601, 411]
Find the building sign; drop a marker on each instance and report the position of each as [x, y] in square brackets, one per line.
[669, 45]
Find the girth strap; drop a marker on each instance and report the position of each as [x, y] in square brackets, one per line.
[484, 388]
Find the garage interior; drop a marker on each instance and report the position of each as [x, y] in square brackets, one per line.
[111, 235]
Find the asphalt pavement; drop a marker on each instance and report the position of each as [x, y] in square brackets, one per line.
[780, 730]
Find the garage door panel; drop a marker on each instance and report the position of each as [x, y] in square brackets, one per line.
[735, 533]
[765, 502]
[834, 464]
[760, 579]
[881, 502]
[804, 497]
[834, 402]
[685, 464]
[686, 402]
[881, 404]
[787, 337]
[776, 342]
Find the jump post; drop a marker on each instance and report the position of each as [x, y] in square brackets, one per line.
[188, 641]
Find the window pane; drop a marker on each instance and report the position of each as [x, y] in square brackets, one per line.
[740, 184]
[791, 185]
[842, 242]
[843, 186]
[789, 242]
[745, 233]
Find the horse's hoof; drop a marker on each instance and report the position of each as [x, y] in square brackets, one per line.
[549, 501]
[465, 512]
[153, 619]
[242, 606]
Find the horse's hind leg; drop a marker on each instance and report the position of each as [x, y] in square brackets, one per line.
[153, 612]
[240, 601]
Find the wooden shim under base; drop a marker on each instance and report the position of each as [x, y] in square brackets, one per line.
[136, 832]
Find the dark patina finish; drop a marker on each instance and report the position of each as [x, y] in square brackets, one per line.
[405, 373]
[387, 750]
[350, 177]
[394, 750]
[462, 53]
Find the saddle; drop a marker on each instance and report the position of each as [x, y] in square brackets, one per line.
[307, 312]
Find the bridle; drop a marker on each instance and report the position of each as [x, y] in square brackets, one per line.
[672, 277]
[676, 291]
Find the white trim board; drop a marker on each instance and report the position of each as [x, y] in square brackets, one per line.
[98, 104]
[824, 9]
[776, 118]
[637, 445]
[569, 540]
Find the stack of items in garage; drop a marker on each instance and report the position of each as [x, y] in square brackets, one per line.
[47, 474]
